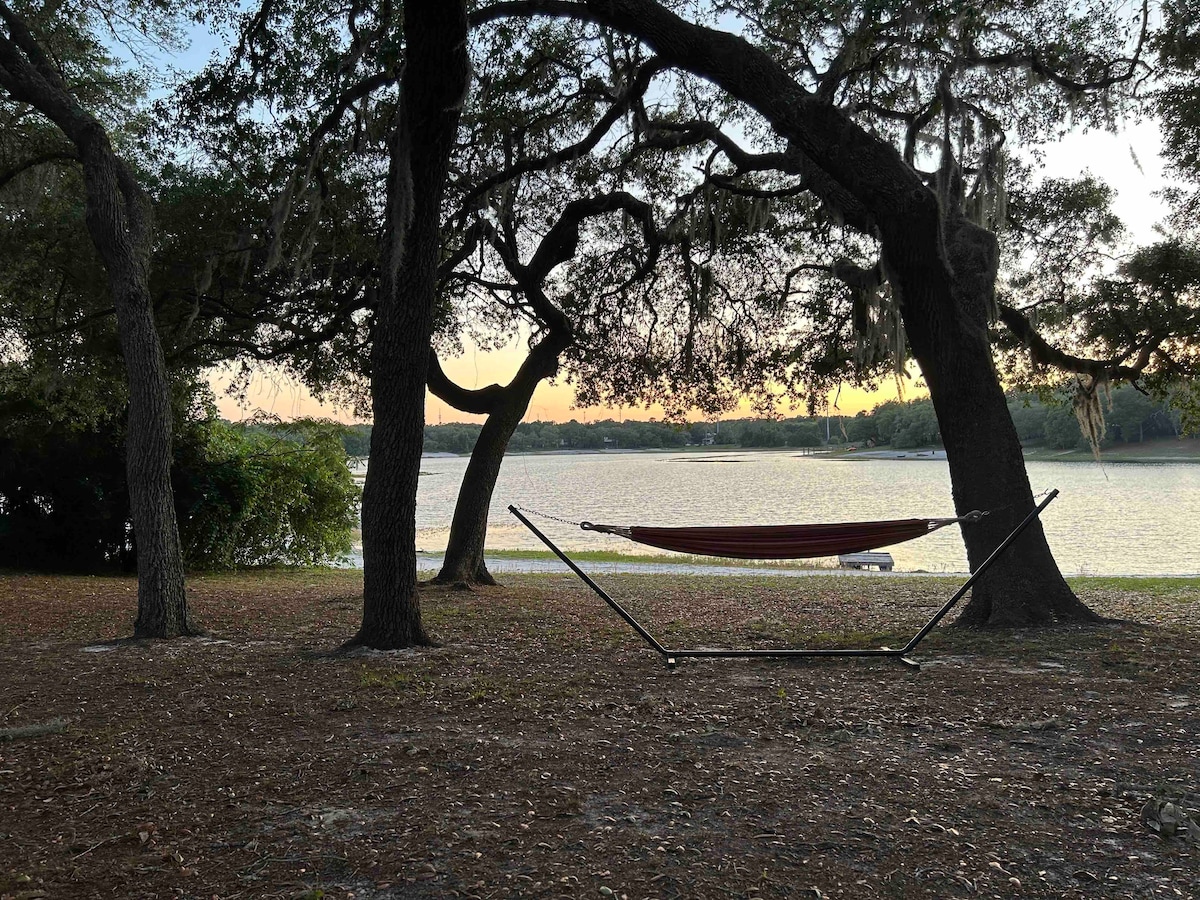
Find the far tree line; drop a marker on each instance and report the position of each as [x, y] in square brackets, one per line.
[1131, 417]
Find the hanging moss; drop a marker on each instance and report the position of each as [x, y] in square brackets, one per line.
[1089, 410]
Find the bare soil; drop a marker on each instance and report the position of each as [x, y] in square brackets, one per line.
[542, 750]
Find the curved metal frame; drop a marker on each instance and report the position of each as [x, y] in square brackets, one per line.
[671, 657]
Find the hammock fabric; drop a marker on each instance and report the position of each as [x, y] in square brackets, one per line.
[780, 541]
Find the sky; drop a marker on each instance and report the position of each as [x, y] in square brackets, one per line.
[275, 394]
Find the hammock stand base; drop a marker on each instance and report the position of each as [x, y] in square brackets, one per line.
[672, 657]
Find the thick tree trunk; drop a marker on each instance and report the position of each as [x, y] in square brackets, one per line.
[114, 200]
[944, 270]
[464, 561]
[162, 601]
[949, 338]
[118, 219]
[432, 90]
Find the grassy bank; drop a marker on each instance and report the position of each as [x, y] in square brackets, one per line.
[676, 559]
[1132, 583]
[1184, 450]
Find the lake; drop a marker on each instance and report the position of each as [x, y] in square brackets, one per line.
[1110, 519]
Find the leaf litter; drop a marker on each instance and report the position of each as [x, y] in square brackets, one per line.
[541, 750]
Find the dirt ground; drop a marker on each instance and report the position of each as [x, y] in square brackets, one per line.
[544, 751]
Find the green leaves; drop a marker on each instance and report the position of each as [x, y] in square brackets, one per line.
[266, 494]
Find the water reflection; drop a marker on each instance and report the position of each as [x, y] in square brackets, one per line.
[1111, 519]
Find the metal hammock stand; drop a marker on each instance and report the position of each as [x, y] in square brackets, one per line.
[671, 657]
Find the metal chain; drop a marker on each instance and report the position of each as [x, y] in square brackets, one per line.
[534, 512]
[996, 509]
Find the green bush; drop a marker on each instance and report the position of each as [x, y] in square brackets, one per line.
[260, 495]
[63, 503]
[280, 494]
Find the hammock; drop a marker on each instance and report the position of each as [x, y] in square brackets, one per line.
[781, 541]
[785, 542]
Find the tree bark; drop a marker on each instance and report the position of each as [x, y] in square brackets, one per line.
[949, 338]
[464, 560]
[944, 271]
[113, 201]
[119, 222]
[432, 91]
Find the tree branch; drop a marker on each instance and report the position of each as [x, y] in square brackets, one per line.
[480, 402]
[35, 161]
[638, 86]
[555, 9]
[1044, 353]
[1036, 64]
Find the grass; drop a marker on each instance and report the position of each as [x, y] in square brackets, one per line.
[1184, 587]
[676, 559]
[1184, 450]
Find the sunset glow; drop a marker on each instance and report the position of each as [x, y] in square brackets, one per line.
[275, 394]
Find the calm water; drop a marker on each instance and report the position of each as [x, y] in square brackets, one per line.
[1136, 519]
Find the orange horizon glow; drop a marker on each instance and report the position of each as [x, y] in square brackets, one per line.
[274, 394]
[1136, 177]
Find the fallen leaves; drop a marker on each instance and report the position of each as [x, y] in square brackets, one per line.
[544, 751]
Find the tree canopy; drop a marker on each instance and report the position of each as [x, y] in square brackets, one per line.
[682, 204]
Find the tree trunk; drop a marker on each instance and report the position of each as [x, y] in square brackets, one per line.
[162, 600]
[432, 91]
[949, 338]
[118, 219]
[464, 561]
[119, 222]
[943, 269]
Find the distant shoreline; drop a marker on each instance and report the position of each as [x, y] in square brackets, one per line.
[539, 562]
[1153, 452]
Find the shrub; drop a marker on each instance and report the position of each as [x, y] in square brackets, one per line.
[260, 495]
[279, 494]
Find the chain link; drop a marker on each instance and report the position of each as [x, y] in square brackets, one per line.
[534, 512]
[1036, 498]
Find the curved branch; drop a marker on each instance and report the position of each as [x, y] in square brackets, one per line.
[813, 178]
[562, 240]
[480, 402]
[1037, 65]
[344, 101]
[638, 86]
[35, 161]
[542, 362]
[554, 9]
[1044, 353]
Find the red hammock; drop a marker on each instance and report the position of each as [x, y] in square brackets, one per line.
[780, 541]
